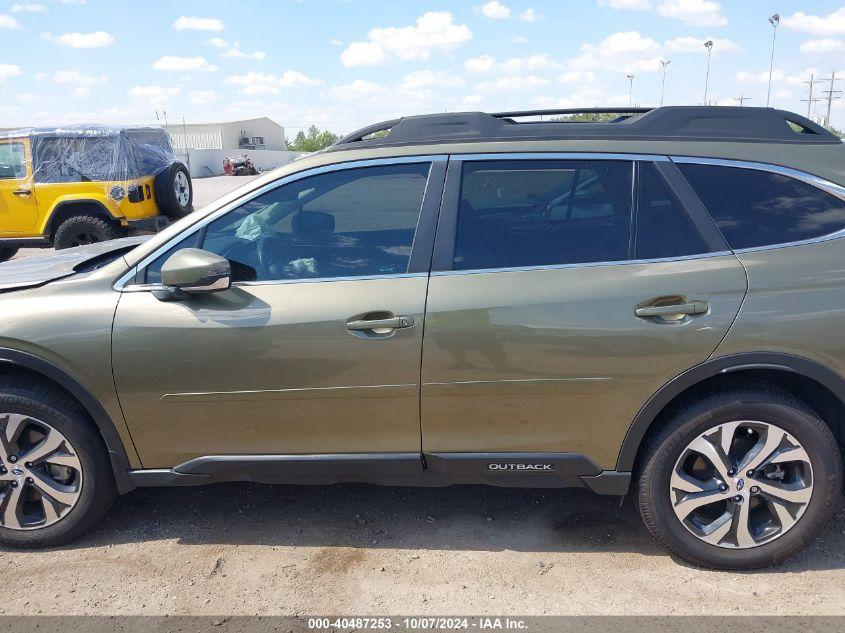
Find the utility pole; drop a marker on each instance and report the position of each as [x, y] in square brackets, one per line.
[741, 99]
[709, 46]
[664, 63]
[810, 99]
[630, 89]
[832, 94]
[774, 21]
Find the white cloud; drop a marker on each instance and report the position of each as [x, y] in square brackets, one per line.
[512, 82]
[494, 10]
[778, 76]
[78, 78]
[201, 97]
[236, 53]
[170, 63]
[27, 97]
[97, 39]
[541, 62]
[634, 5]
[821, 46]
[7, 71]
[579, 77]
[432, 31]
[82, 91]
[156, 95]
[423, 79]
[818, 25]
[335, 42]
[253, 83]
[482, 64]
[689, 44]
[28, 8]
[623, 52]
[184, 23]
[357, 90]
[9, 22]
[530, 15]
[697, 12]
[218, 42]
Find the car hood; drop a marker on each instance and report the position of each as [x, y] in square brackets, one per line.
[41, 269]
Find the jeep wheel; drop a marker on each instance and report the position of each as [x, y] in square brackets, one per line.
[740, 479]
[55, 477]
[174, 191]
[80, 230]
[7, 253]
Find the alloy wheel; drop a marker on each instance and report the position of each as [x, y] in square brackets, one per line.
[741, 484]
[40, 473]
[182, 188]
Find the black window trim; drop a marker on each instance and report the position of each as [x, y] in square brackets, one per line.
[444, 246]
[838, 191]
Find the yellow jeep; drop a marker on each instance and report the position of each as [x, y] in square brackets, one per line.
[74, 186]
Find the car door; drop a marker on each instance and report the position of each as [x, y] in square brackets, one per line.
[315, 349]
[18, 207]
[561, 298]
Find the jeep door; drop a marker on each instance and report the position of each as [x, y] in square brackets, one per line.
[561, 298]
[18, 207]
[315, 349]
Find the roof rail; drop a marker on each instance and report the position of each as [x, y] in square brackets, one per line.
[670, 123]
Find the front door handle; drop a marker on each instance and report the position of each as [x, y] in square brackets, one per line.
[393, 323]
[22, 193]
[693, 307]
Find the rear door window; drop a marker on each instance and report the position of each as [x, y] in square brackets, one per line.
[758, 208]
[543, 212]
[12, 161]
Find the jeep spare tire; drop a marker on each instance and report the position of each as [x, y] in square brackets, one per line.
[174, 191]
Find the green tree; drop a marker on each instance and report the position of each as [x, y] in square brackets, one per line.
[312, 141]
[587, 117]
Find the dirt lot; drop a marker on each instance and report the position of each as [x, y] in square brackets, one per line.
[358, 550]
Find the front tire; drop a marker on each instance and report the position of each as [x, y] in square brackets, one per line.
[55, 478]
[740, 478]
[81, 230]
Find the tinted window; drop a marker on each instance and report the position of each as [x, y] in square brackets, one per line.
[664, 228]
[539, 213]
[346, 223]
[12, 161]
[757, 208]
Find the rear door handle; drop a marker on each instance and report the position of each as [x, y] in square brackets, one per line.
[393, 323]
[693, 307]
[23, 193]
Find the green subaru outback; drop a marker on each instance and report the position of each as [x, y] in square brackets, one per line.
[650, 305]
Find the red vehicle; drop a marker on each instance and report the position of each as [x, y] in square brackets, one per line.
[239, 166]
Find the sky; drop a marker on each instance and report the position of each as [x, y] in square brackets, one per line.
[343, 64]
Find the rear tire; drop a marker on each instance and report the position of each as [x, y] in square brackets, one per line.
[33, 404]
[80, 230]
[174, 191]
[7, 253]
[769, 536]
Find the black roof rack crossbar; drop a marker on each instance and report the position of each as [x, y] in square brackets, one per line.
[670, 123]
[569, 111]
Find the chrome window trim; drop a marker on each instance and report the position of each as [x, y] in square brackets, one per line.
[620, 262]
[838, 191]
[123, 281]
[561, 156]
[279, 282]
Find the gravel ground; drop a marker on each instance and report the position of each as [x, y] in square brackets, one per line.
[205, 190]
[359, 550]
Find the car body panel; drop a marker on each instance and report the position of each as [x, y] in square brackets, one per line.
[269, 368]
[18, 213]
[555, 359]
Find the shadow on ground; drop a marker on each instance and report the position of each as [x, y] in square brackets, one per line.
[361, 516]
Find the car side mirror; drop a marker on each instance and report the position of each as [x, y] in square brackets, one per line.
[195, 271]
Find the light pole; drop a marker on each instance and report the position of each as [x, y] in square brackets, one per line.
[630, 89]
[774, 21]
[709, 46]
[664, 63]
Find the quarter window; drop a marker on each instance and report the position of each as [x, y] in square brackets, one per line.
[12, 161]
[541, 213]
[664, 228]
[354, 222]
[758, 208]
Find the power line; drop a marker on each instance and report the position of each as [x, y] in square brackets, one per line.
[832, 95]
[741, 99]
[810, 98]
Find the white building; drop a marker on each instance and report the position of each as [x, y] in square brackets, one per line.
[203, 146]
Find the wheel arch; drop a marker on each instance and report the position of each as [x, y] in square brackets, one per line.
[818, 386]
[65, 209]
[12, 360]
